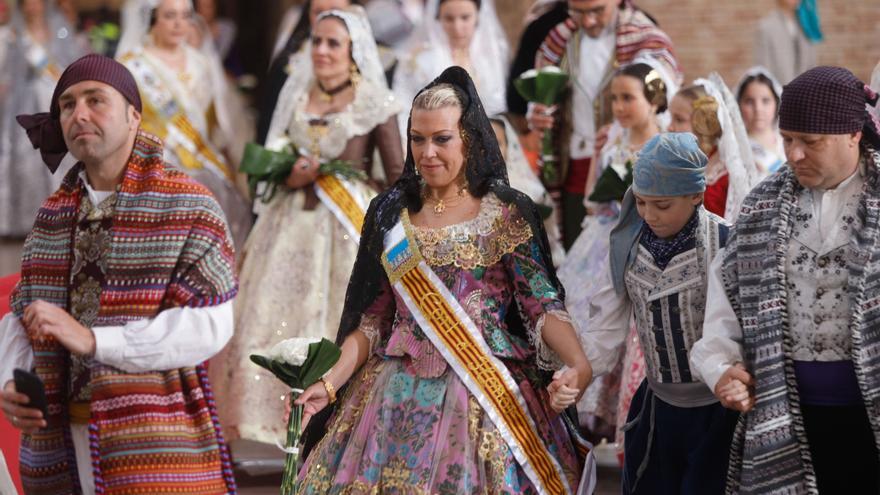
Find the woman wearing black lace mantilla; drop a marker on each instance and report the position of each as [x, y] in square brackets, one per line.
[453, 327]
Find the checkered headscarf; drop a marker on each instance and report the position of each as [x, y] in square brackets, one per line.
[829, 100]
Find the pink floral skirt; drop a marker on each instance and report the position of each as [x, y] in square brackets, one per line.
[396, 432]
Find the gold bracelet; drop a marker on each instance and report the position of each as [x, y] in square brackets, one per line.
[331, 390]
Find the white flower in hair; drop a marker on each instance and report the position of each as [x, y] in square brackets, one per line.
[292, 351]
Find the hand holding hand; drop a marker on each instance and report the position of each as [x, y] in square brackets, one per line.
[568, 386]
[735, 389]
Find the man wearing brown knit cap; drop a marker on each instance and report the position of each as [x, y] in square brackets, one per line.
[792, 332]
[126, 289]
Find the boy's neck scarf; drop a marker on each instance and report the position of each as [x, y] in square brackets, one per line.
[663, 250]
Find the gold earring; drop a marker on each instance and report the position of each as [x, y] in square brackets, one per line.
[355, 74]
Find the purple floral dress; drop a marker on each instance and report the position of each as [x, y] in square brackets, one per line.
[406, 423]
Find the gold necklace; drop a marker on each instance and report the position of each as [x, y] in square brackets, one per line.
[318, 128]
[442, 204]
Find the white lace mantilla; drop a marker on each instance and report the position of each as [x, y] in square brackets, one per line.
[373, 102]
[372, 105]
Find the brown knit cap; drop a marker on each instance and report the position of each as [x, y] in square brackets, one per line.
[44, 129]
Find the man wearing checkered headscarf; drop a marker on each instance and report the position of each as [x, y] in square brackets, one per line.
[793, 308]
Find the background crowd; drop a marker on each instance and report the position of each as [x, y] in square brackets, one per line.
[215, 76]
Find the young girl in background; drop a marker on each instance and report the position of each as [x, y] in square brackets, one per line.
[708, 110]
[758, 95]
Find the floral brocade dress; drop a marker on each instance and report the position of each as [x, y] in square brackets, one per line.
[407, 423]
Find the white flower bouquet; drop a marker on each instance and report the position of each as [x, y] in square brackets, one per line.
[299, 363]
[544, 86]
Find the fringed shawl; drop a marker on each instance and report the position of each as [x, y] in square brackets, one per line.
[770, 453]
[170, 248]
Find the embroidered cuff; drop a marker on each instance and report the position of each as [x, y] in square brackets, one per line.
[546, 358]
[109, 345]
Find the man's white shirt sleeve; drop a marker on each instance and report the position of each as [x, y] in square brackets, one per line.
[175, 338]
[721, 344]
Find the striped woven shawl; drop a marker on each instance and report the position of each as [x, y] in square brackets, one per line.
[635, 32]
[149, 432]
[770, 453]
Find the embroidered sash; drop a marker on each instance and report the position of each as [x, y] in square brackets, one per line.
[461, 343]
[175, 123]
[346, 203]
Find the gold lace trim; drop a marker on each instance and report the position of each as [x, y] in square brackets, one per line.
[480, 242]
[91, 212]
[371, 327]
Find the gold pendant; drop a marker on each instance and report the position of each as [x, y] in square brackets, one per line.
[439, 208]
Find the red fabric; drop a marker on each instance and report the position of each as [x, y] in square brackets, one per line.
[578, 171]
[9, 437]
[715, 197]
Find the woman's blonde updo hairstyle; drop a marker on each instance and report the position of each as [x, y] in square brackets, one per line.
[441, 96]
[436, 97]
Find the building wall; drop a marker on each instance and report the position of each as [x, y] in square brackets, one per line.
[718, 35]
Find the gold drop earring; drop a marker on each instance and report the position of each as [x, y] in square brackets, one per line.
[355, 75]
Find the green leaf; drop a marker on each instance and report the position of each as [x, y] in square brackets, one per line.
[261, 361]
[288, 374]
[541, 86]
[343, 169]
[610, 186]
[322, 356]
[525, 84]
[549, 84]
[263, 165]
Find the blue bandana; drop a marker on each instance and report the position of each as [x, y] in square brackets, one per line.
[670, 164]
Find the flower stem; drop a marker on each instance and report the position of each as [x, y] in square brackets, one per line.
[289, 485]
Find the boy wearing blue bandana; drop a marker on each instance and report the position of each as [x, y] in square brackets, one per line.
[677, 435]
